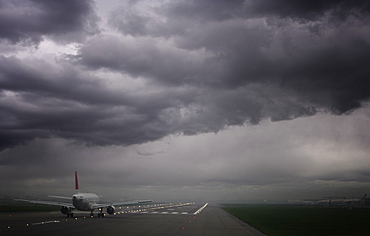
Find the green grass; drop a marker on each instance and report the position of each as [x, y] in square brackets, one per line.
[22, 207]
[303, 220]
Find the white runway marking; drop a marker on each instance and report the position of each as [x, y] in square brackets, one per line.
[200, 209]
[46, 222]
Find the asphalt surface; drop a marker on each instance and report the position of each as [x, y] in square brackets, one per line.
[174, 219]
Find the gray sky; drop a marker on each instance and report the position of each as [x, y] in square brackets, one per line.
[185, 100]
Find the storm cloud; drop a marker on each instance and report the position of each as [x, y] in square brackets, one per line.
[29, 21]
[149, 70]
[202, 67]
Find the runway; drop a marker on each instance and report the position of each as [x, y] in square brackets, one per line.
[153, 219]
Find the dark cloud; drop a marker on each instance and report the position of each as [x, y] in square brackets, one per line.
[308, 10]
[139, 57]
[29, 21]
[184, 67]
[325, 67]
[333, 75]
[40, 99]
[207, 10]
[174, 17]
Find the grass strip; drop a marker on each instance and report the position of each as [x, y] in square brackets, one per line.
[303, 220]
[27, 208]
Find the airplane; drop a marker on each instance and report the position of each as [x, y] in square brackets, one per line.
[303, 202]
[331, 201]
[83, 202]
[349, 201]
[344, 201]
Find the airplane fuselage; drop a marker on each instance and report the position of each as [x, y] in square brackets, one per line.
[85, 201]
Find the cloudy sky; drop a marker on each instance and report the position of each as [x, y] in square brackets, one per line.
[185, 99]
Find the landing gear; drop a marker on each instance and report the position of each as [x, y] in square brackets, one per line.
[70, 214]
[101, 214]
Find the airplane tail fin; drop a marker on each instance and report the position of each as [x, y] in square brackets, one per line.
[76, 181]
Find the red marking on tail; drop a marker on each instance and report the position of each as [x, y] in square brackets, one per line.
[76, 180]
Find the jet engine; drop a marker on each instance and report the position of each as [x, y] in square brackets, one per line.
[64, 210]
[110, 210]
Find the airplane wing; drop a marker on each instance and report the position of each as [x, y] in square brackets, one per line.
[60, 197]
[117, 204]
[50, 203]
